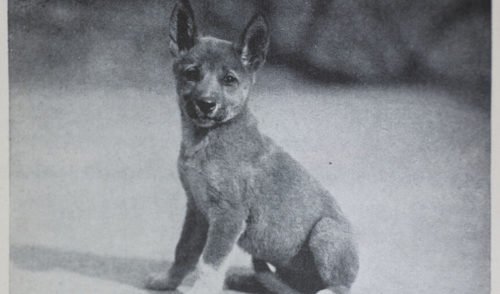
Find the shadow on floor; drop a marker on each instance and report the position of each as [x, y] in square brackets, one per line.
[130, 271]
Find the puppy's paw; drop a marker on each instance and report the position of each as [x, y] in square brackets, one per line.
[160, 282]
[210, 281]
[244, 282]
[325, 291]
[334, 290]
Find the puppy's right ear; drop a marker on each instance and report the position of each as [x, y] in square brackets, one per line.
[254, 43]
[182, 28]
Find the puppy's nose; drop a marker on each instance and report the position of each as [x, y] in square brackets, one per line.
[205, 106]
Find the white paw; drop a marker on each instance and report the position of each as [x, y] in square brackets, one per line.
[325, 291]
[210, 281]
[159, 281]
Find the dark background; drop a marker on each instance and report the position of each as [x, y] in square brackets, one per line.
[386, 103]
[446, 41]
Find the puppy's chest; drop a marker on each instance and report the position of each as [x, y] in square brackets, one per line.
[213, 179]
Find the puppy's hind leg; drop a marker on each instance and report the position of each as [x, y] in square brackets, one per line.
[271, 281]
[244, 282]
[263, 281]
[331, 243]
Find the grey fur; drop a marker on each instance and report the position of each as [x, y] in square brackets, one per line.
[242, 188]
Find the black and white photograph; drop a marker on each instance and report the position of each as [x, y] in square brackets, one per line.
[250, 146]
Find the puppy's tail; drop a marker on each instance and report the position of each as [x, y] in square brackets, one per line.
[270, 280]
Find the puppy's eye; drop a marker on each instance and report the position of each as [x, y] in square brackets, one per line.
[229, 79]
[192, 74]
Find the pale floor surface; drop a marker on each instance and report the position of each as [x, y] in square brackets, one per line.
[96, 203]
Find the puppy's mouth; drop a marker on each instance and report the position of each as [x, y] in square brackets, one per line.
[203, 113]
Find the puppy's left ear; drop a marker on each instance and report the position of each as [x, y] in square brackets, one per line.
[254, 43]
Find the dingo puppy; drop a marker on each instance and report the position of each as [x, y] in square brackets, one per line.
[241, 188]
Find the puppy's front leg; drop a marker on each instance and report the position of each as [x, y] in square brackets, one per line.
[225, 228]
[187, 252]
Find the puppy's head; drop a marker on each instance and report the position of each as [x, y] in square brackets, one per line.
[214, 76]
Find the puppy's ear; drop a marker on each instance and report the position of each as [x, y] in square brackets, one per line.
[254, 43]
[182, 28]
